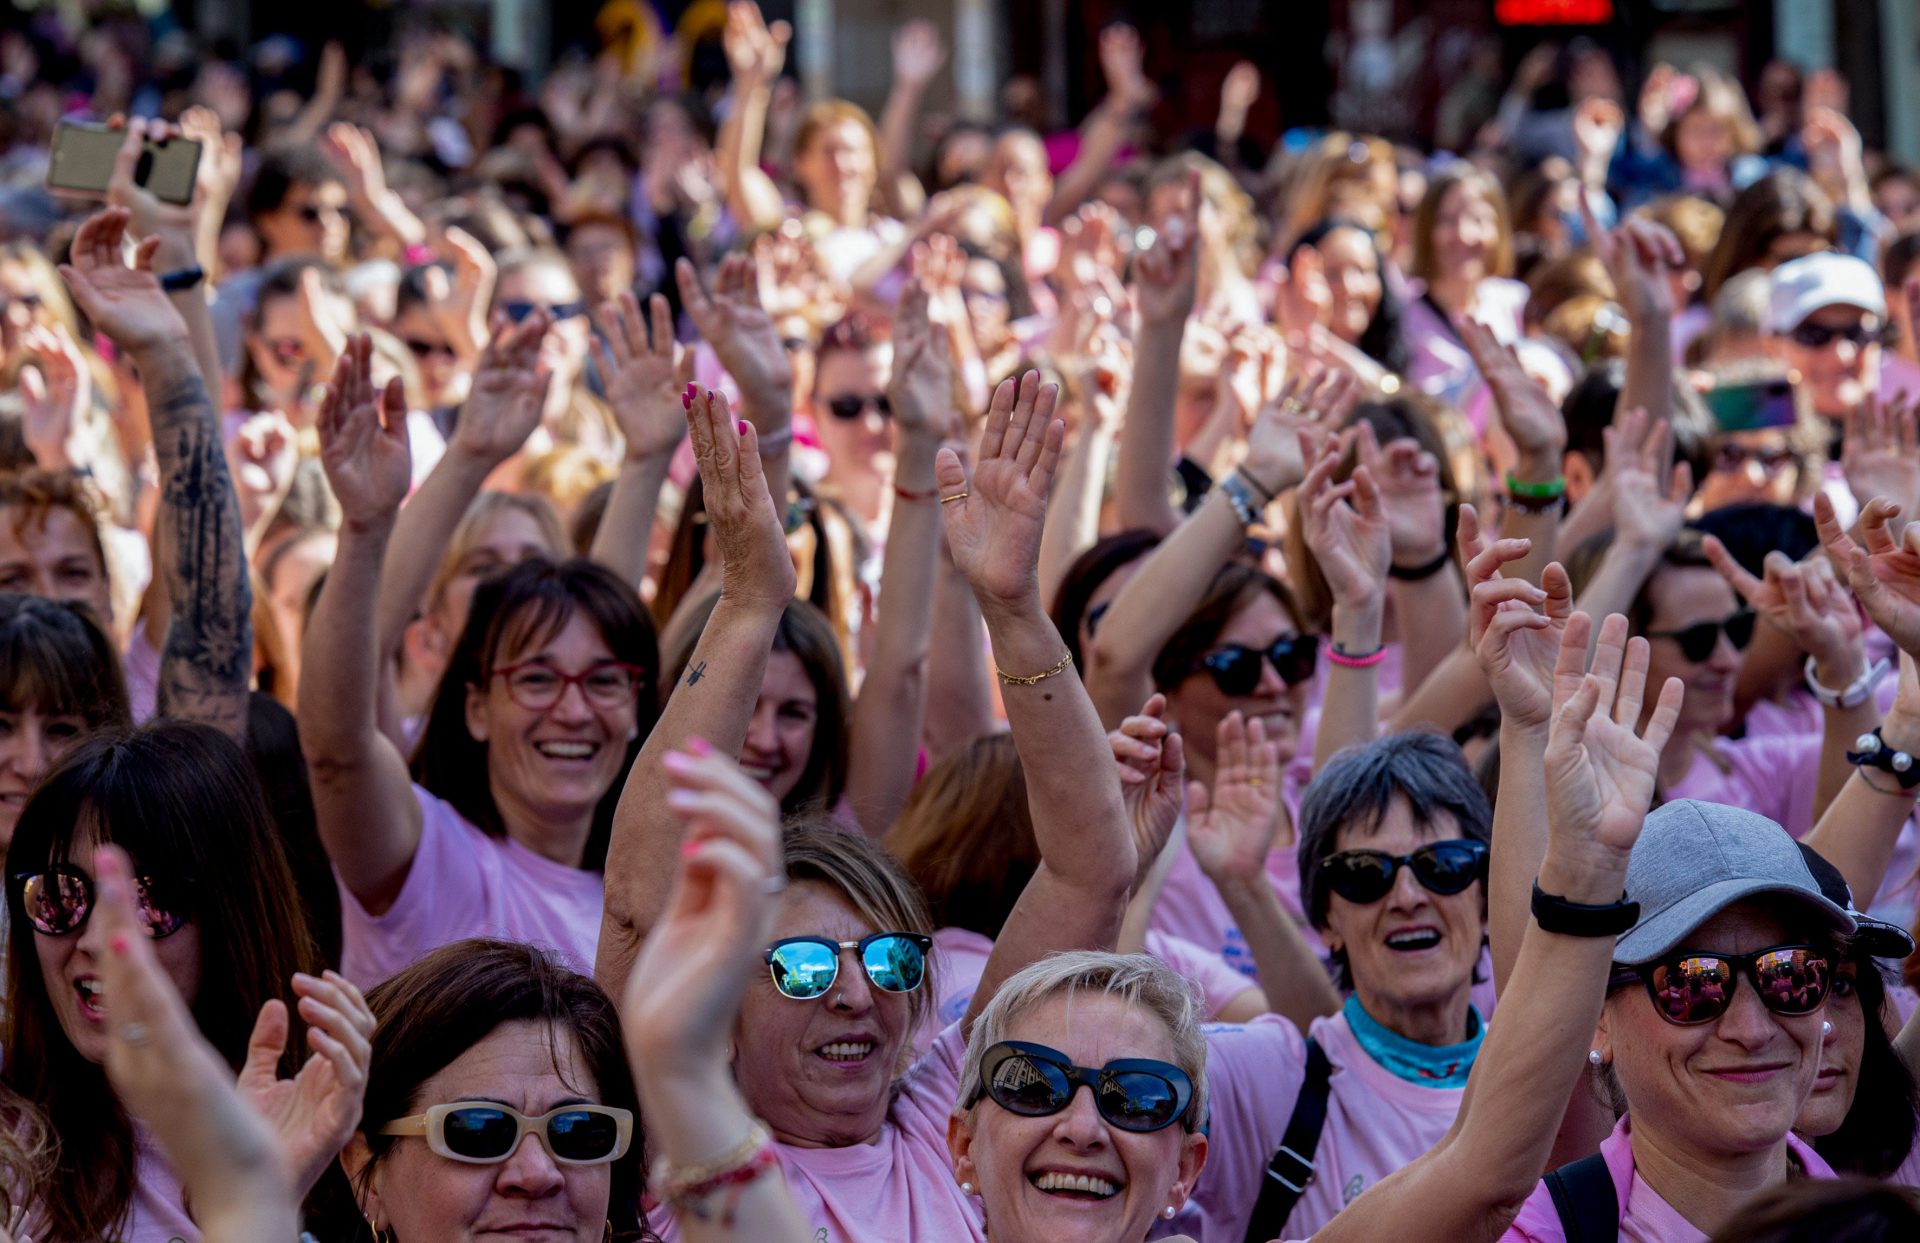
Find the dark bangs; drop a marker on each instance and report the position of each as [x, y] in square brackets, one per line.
[57, 661]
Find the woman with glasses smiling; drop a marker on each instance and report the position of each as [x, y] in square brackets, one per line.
[536, 719]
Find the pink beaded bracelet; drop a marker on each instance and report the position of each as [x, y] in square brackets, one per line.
[1347, 661]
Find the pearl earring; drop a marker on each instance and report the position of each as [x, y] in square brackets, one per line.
[1168, 1212]
[1593, 1055]
[966, 1189]
[1826, 1027]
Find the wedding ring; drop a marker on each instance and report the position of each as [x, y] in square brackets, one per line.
[133, 1033]
[957, 496]
[1293, 405]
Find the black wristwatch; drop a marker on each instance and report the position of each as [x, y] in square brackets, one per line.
[183, 280]
[1579, 919]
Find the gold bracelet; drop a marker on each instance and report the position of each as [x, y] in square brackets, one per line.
[1011, 679]
[665, 1180]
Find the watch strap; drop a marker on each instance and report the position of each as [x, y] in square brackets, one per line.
[1579, 919]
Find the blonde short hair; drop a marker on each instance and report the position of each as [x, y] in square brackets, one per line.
[1141, 979]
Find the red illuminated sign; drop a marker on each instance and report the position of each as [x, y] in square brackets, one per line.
[1552, 12]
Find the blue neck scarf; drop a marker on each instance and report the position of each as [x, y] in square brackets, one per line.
[1428, 1065]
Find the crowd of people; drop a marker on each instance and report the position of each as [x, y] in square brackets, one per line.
[634, 658]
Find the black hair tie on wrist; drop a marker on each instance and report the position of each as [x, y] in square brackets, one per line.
[1427, 569]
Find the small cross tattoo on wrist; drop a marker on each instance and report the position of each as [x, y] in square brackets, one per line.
[696, 673]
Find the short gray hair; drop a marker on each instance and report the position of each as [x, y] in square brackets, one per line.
[1138, 978]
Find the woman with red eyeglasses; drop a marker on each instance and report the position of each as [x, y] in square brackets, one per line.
[499, 828]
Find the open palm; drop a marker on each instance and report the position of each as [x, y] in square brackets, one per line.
[509, 390]
[1150, 762]
[1601, 767]
[921, 387]
[733, 321]
[1346, 527]
[124, 302]
[1520, 633]
[1231, 828]
[363, 438]
[1885, 574]
[645, 374]
[316, 1111]
[994, 530]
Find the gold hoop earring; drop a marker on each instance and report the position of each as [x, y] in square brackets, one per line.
[609, 1235]
[375, 1230]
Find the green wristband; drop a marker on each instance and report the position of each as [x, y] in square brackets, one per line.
[1550, 491]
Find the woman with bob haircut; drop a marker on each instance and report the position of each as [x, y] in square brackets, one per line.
[226, 921]
[545, 696]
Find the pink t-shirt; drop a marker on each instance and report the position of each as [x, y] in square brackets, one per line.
[960, 957]
[1376, 1123]
[1644, 1216]
[466, 883]
[898, 1188]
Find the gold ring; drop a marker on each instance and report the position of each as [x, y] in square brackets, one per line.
[1293, 405]
[957, 496]
[1256, 782]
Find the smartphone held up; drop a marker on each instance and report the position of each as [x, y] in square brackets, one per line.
[83, 157]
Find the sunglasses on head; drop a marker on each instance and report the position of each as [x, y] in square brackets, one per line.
[1696, 986]
[518, 311]
[59, 900]
[806, 967]
[1235, 668]
[853, 405]
[1819, 336]
[486, 1132]
[1366, 876]
[1134, 1094]
[1698, 640]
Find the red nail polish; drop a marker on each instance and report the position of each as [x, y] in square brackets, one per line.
[686, 400]
[709, 394]
[741, 427]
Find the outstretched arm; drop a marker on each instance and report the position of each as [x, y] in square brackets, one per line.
[362, 796]
[918, 54]
[1166, 277]
[755, 53]
[1106, 129]
[646, 376]
[714, 701]
[1347, 527]
[679, 1010]
[206, 663]
[1077, 896]
[892, 708]
[733, 320]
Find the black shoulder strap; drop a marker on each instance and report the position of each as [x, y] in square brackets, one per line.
[1291, 1169]
[1584, 1197]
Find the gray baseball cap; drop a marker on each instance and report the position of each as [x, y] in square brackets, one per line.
[1695, 859]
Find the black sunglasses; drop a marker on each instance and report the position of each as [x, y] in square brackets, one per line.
[1366, 876]
[806, 967]
[1134, 1094]
[1819, 336]
[426, 349]
[517, 311]
[1696, 986]
[1698, 640]
[59, 900]
[1732, 457]
[1235, 668]
[852, 405]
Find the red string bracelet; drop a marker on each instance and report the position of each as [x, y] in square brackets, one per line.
[693, 1197]
[1348, 661]
[905, 495]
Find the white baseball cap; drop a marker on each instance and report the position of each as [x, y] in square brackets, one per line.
[1804, 285]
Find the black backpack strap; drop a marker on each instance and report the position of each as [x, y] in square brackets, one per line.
[1584, 1196]
[1291, 1169]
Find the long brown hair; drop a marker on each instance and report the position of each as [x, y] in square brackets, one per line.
[966, 836]
[183, 801]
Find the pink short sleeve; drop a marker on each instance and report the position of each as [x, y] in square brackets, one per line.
[1219, 983]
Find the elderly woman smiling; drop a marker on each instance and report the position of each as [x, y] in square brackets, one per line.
[1052, 1162]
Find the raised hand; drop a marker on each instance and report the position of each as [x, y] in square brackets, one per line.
[756, 52]
[1643, 515]
[1637, 255]
[315, 1112]
[998, 508]
[1519, 632]
[1881, 457]
[262, 458]
[645, 377]
[458, 303]
[1527, 411]
[1885, 574]
[363, 438]
[1240, 89]
[1601, 765]
[125, 302]
[1408, 479]
[150, 215]
[918, 53]
[683, 995]
[755, 563]
[508, 392]
[1347, 528]
[1291, 429]
[57, 390]
[1231, 828]
[737, 326]
[1121, 58]
[1166, 274]
[1804, 600]
[166, 1074]
[1150, 761]
[920, 389]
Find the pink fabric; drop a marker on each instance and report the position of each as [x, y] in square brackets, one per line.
[465, 883]
[1376, 1123]
[1897, 376]
[960, 957]
[1644, 1216]
[1775, 775]
[159, 1213]
[897, 1188]
[1439, 365]
[141, 665]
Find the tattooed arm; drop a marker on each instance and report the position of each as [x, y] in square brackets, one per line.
[206, 662]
